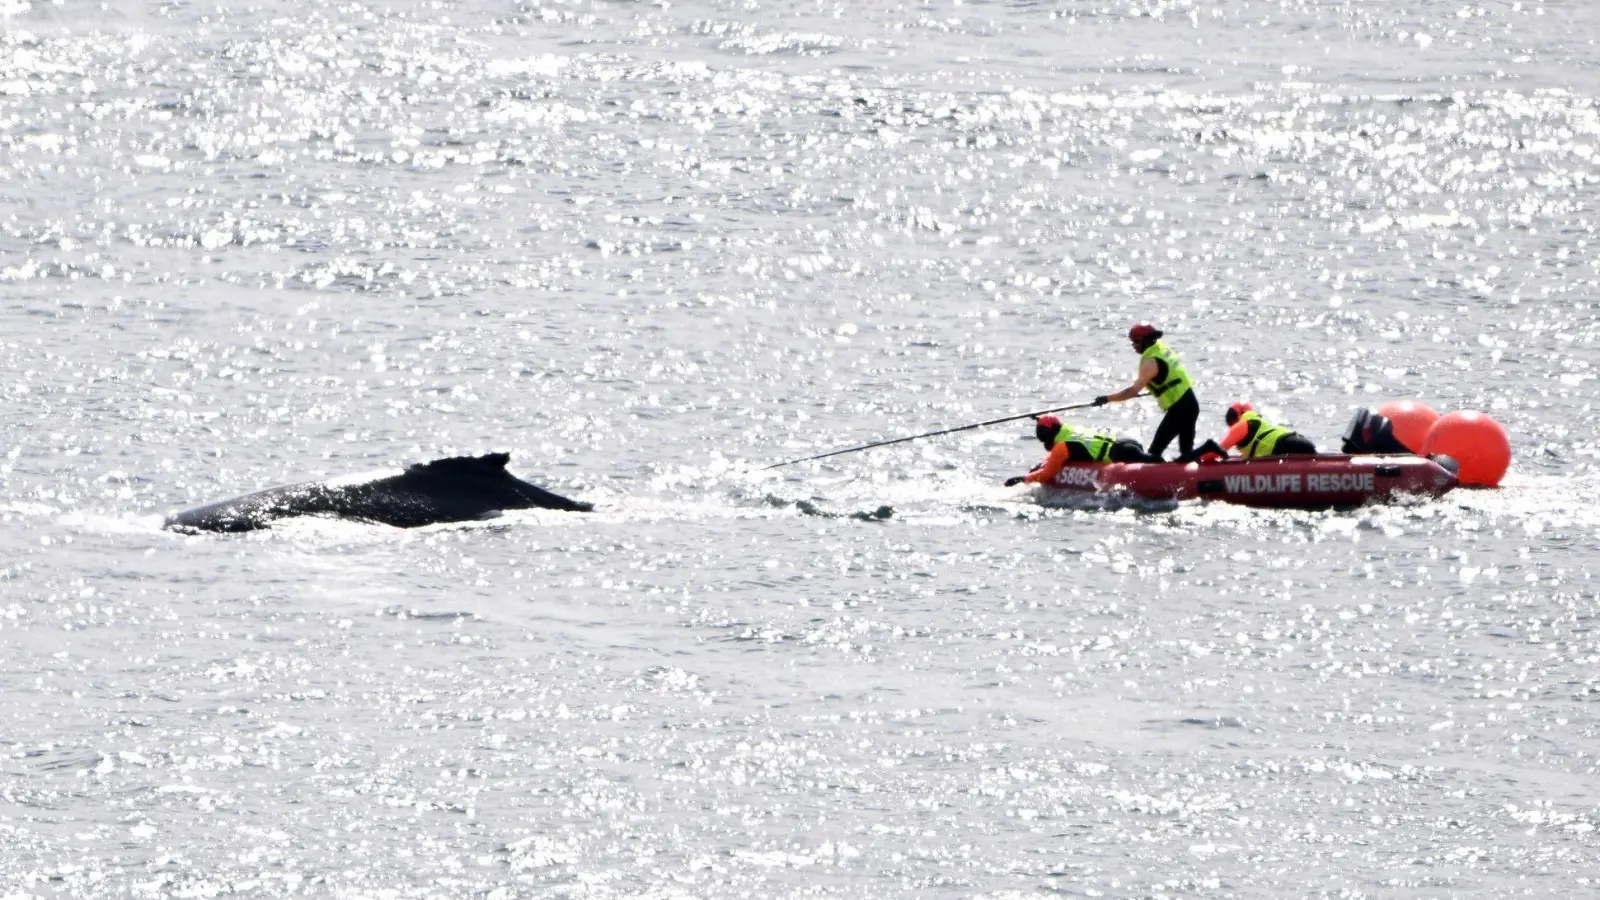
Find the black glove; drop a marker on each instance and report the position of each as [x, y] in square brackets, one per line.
[1101, 400]
[1015, 480]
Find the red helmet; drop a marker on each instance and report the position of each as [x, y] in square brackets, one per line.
[1046, 428]
[1239, 408]
[1142, 332]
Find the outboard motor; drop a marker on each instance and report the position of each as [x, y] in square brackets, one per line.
[1369, 432]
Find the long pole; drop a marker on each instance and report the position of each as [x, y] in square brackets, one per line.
[1030, 415]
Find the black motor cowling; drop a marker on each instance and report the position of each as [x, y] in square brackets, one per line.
[1369, 432]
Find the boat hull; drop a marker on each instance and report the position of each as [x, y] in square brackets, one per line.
[1280, 482]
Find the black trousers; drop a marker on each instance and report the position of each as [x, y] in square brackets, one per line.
[1177, 423]
[1128, 450]
[1293, 444]
[1210, 446]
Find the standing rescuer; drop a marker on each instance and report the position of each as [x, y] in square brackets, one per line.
[1163, 376]
[1067, 444]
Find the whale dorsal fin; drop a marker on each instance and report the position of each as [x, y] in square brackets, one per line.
[489, 464]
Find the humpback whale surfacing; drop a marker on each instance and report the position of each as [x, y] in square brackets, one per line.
[457, 489]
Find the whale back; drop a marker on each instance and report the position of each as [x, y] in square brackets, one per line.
[258, 510]
[455, 489]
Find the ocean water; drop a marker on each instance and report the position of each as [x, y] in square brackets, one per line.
[650, 249]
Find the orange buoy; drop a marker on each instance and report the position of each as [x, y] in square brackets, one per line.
[1474, 440]
[1411, 421]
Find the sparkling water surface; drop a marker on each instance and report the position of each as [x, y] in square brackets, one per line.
[650, 249]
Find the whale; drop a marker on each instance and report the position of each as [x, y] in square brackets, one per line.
[456, 489]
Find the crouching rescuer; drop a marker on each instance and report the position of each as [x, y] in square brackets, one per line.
[1255, 436]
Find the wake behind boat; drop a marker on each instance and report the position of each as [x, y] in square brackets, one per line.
[1285, 482]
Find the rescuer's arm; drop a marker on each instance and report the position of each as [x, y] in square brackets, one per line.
[1236, 434]
[1147, 373]
[1046, 473]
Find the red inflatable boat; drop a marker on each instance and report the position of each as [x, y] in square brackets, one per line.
[1287, 482]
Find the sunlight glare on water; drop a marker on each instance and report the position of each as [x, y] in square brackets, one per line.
[652, 249]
